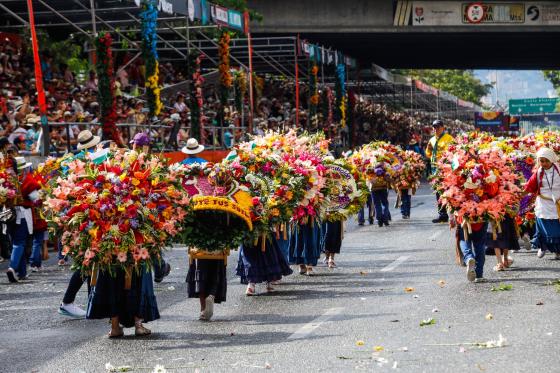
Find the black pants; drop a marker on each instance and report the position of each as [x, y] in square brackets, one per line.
[442, 211]
[74, 286]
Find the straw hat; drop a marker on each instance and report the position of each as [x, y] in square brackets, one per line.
[192, 147]
[22, 164]
[86, 140]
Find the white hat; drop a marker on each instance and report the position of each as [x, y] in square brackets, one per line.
[22, 164]
[548, 154]
[86, 140]
[192, 147]
[175, 117]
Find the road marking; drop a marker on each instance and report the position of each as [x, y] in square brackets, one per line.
[308, 328]
[435, 235]
[24, 308]
[395, 264]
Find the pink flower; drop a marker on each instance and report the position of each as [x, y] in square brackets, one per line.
[122, 257]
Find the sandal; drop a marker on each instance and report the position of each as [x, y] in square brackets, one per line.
[498, 267]
[141, 331]
[508, 263]
[118, 335]
[302, 269]
[332, 264]
[202, 316]
[269, 288]
[250, 290]
[309, 271]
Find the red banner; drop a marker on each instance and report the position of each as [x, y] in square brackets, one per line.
[38, 72]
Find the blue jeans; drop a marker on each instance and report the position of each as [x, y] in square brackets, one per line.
[381, 204]
[474, 248]
[18, 261]
[405, 202]
[36, 254]
[361, 213]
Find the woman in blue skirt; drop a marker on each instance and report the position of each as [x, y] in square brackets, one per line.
[110, 298]
[305, 247]
[545, 184]
[256, 266]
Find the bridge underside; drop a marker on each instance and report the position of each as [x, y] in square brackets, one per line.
[457, 50]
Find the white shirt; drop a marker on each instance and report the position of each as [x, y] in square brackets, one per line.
[25, 213]
[550, 188]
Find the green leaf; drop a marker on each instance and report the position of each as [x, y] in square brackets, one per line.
[502, 287]
[429, 321]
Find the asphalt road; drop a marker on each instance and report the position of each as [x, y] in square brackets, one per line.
[364, 315]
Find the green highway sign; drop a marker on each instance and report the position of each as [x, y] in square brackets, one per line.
[534, 106]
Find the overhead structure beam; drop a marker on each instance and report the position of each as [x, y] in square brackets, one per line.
[64, 18]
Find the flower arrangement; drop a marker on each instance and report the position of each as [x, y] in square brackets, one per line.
[380, 163]
[149, 17]
[105, 74]
[221, 210]
[226, 80]
[118, 214]
[340, 88]
[196, 97]
[348, 190]
[8, 187]
[313, 90]
[240, 88]
[477, 185]
[411, 172]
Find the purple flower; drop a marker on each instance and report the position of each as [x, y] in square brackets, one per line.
[133, 223]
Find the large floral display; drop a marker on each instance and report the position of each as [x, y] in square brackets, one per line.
[120, 213]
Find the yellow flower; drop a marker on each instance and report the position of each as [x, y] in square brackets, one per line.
[135, 181]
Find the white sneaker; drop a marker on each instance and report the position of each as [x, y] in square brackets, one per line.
[480, 279]
[209, 309]
[471, 274]
[540, 253]
[35, 269]
[71, 310]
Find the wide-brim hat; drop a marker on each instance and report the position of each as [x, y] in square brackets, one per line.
[192, 147]
[87, 140]
[22, 163]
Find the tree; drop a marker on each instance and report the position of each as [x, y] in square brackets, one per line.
[553, 76]
[461, 83]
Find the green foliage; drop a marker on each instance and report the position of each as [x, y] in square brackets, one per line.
[461, 83]
[68, 51]
[553, 76]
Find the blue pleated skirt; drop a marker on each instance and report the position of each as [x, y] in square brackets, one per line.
[547, 235]
[305, 244]
[256, 266]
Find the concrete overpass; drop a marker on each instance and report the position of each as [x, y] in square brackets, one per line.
[383, 31]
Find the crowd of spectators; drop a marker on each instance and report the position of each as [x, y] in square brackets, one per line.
[73, 106]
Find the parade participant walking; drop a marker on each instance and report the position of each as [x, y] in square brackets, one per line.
[256, 266]
[206, 278]
[380, 197]
[361, 213]
[305, 246]
[332, 240]
[473, 247]
[503, 243]
[24, 222]
[87, 143]
[545, 184]
[436, 146]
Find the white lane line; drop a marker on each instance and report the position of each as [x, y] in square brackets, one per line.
[308, 328]
[395, 264]
[435, 235]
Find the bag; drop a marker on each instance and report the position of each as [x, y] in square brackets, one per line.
[39, 224]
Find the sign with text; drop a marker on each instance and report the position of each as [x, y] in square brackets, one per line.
[485, 13]
[534, 106]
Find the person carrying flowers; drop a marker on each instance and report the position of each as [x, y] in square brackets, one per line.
[437, 145]
[545, 185]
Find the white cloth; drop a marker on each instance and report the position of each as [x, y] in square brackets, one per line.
[548, 154]
[25, 213]
[545, 208]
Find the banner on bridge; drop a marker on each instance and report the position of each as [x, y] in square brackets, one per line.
[477, 13]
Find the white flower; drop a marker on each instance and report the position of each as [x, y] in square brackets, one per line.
[159, 369]
[109, 367]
